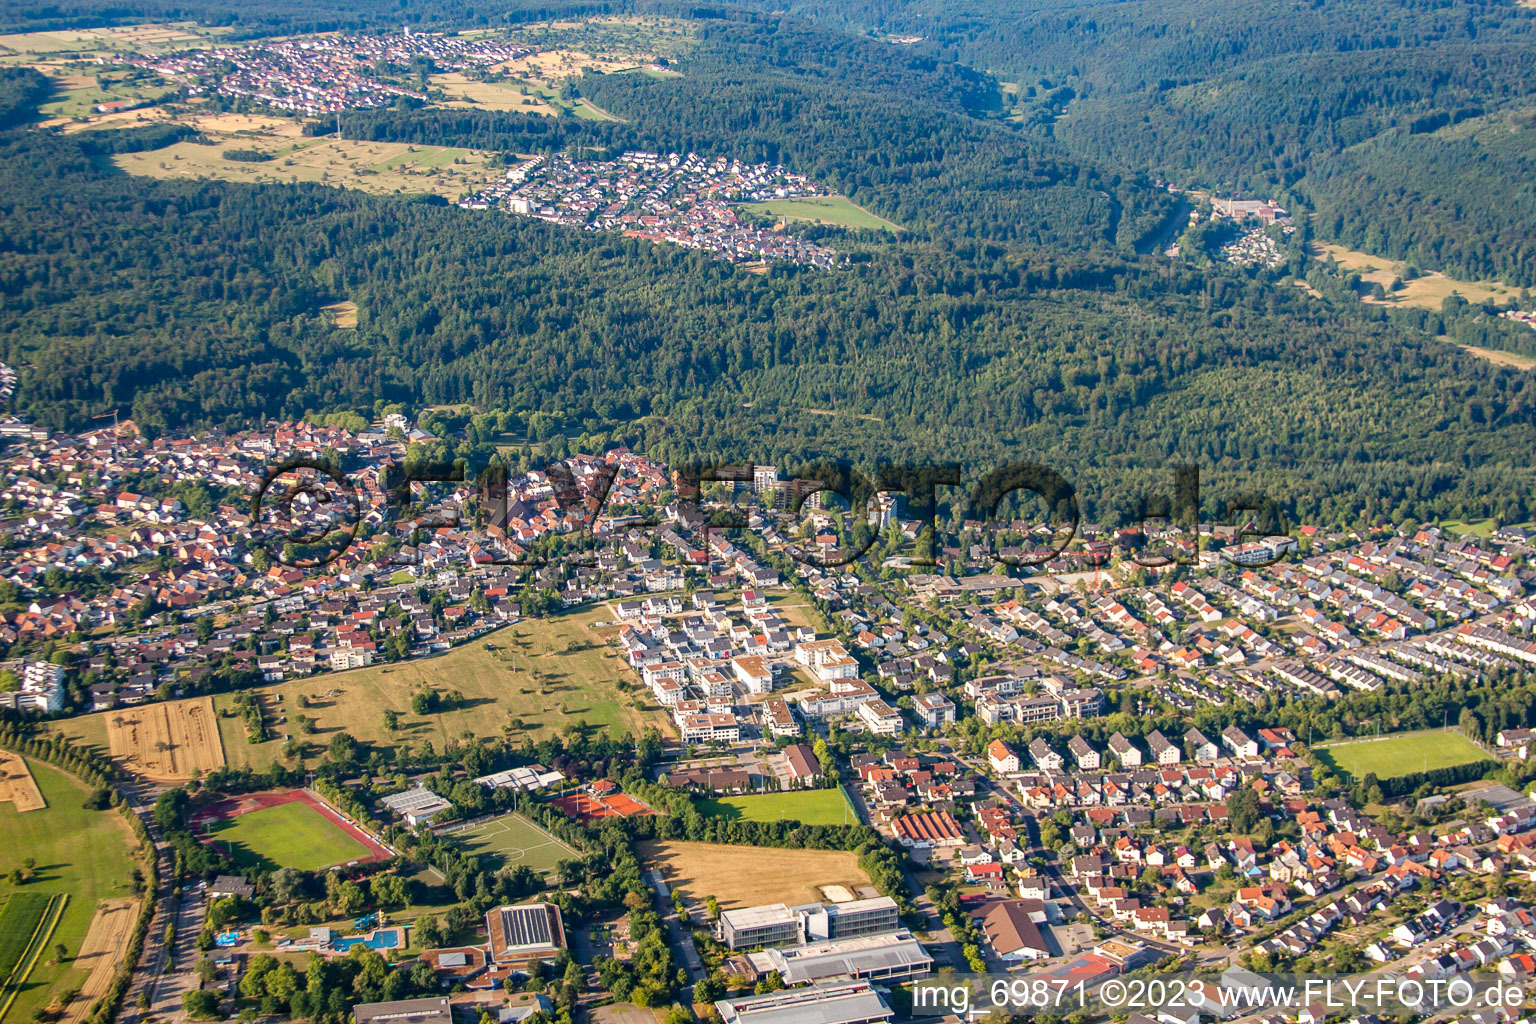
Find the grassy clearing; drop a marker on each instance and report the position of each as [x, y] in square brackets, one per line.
[748, 876]
[809, 807]
[1512, 360]
[511, 840]
[1475, 528]
[87, 855]
[536, 677]
[292, 835]
[1427, 291]
[382, 168]
[835, 210]
[343, 314]
[504, 95]
[81, 100]
[1392, 756]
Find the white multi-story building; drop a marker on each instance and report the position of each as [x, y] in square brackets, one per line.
[721, 727]
[881, 718]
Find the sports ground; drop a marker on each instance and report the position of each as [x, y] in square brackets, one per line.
[286, 829]
[512, 840]
[807, 806]
[586, 808]
[1389, 757]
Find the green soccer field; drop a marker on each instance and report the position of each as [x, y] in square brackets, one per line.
[1392, 756]
[286, 836]
[807, 806]
[511, 840]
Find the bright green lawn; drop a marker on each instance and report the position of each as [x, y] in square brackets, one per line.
[288, 835]
[512, 840]
[1403, 754]
[824, 210]
[808, 806]
[87, 854]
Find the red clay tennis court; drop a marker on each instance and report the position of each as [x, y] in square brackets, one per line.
[585, 808]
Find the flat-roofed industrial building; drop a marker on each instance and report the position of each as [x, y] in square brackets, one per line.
[853, 1002]
[883, 958]
[433, 1010]
[776, 924]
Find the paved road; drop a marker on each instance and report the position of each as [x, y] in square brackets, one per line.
[680, 940]
[154, 957]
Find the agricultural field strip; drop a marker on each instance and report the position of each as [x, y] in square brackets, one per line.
[38, 941]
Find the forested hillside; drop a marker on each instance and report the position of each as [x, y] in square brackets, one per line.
[1011, 320]
[1334, 106]
[197, 303]
[1460, 199]
[891, 130]
[1110, 46]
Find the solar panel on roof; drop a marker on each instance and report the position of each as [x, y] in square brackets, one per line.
[526, 926]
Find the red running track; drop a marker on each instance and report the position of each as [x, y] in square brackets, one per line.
[235, 806]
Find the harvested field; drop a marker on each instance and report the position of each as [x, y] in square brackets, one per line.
[466, 92]
[748, 876]
[17, 785]
[343, 314]
[383, 168]
[1511, 359]
[101, 952]
[167, 742]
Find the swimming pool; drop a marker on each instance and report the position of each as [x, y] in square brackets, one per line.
[384, 938]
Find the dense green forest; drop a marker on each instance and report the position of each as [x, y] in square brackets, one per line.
[199, 303]
[1013, 320]
[1111, 46]
[21, 90]
[1352, 108]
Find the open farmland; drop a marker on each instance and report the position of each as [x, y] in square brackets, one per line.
[78, 97]
[537, 676]
[26, 47]
[807, 806]
[88, 855]
[101, 951]
[1511, 359]
[22, 921]
[17, 787]
[376, 167]
[170, 741]
[1391, 756]
[1426, 291]
[746, 876]
[834, 210]
[503, 95]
